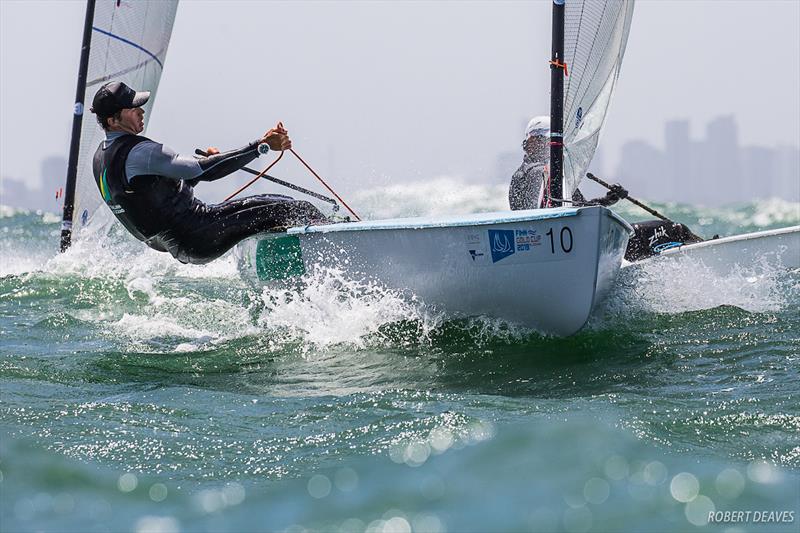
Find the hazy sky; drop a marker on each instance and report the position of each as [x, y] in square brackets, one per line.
[381, 92]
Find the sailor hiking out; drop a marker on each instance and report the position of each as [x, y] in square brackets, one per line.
[530, 189]
[150, 188]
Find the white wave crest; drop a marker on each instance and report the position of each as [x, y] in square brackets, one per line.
[443, 195]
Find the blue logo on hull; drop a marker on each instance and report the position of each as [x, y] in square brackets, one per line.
[501, 243]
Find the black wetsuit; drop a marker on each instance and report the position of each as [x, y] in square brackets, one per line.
[162, 211]
[527, 191]
[651, 237]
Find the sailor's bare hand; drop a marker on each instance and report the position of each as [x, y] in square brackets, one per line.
[211, 150]
[277, 138]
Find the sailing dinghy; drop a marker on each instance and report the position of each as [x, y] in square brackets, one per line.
[548, 268]
[769, 249]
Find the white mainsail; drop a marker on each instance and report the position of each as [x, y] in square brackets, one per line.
[595, 34]
[129, 44]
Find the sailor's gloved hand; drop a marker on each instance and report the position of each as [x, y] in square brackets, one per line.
[617, 192]
[277, 138]
[211, 150]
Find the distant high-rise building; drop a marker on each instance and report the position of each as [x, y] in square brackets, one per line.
[758, 173]
[711, 171]
[642, 168]
[787, 173]
[678, 159]
[721, 171]
[15, 193]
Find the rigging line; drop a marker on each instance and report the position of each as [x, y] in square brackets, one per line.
[282, 182]
[325, 184]
[126, 41]
[255, 179]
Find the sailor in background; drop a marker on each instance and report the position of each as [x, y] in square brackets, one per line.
[528, 188]
[150, 188]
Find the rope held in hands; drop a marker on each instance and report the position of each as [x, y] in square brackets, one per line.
[309, 169]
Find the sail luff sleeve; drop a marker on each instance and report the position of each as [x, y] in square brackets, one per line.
[557, 69]
[77, 122]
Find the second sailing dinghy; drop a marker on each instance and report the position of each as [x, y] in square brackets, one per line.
[547, 268]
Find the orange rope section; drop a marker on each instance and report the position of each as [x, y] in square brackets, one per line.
[309, 169]
[255, 179]
[325, 184]
[559, 64]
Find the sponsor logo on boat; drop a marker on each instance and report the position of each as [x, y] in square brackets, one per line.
[475, 254]
[659, 232]
[502, 243]
[507, 242]
[526, 239]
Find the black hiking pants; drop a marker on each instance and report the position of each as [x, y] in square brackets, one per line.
[208, 231]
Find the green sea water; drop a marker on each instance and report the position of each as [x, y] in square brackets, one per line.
[137, 394]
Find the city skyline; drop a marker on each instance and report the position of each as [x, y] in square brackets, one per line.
[712, 169]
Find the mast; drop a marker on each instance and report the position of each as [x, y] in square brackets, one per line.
[557, 70]
[77, 122]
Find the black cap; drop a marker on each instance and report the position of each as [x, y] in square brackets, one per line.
[115, 96]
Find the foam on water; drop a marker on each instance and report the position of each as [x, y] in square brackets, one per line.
[105, 250]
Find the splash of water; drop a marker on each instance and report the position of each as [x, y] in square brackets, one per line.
[328, 309]
[331, 309]
[683, 283]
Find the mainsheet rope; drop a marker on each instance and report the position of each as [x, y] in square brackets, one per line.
[309, 169]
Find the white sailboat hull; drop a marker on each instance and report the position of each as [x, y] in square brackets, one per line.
[777, 248]
[546, 269]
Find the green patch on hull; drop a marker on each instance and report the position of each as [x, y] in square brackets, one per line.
[279, 258]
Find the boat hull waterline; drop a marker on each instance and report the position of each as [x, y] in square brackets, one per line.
[546, 269]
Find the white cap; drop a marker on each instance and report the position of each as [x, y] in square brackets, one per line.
[538, 126]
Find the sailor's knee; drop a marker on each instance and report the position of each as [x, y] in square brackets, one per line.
[304, 209]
